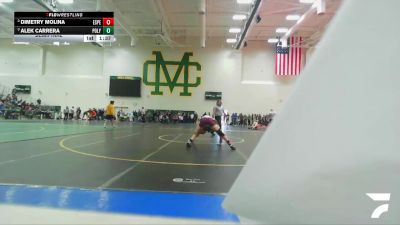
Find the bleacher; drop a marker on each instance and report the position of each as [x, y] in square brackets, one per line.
[23, 109]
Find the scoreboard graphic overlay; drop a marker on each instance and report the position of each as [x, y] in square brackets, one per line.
[64, 27]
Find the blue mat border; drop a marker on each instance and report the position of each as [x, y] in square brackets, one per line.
[167, 204]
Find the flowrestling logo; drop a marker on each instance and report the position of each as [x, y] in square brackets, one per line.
[379, 197]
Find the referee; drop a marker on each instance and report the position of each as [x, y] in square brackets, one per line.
[218, 112]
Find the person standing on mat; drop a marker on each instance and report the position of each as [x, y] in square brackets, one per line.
[110, 114]
[209, 124]
[218, 112]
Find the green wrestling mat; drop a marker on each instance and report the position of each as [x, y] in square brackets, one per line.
[18, 130]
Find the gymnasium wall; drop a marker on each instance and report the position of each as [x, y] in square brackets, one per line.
[78, 75]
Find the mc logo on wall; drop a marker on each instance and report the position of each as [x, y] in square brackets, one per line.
[163, 68]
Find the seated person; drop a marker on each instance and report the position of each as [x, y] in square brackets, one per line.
[175, 118]
[122, 116]
[93, 114]
[256, 126]
[2, 108]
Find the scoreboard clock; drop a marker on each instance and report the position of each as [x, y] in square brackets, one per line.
[125, 86]
[25, 89]
[210, 95]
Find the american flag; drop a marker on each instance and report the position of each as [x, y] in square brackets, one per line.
[289, 59]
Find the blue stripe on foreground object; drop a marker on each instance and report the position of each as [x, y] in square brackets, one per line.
[184, 205]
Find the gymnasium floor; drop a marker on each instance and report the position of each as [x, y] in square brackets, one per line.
[139, 168]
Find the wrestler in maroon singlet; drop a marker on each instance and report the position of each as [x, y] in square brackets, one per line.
[209, 124]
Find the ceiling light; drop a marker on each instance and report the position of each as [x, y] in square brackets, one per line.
[239, 17]
[6, 1]
[281, 30]
[314, 5]
[231, 40]
[273, 40]
[244, 1]
[56, 43]
[258, 82]
[66, 1]
[292, 17]
[234, 30]
[307, 1]
[301, 19]
[321, 6]
[289, 32]
[20, 43]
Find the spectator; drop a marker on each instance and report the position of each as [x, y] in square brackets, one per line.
[100, 114]
[2, 108]
[66, 113]
[142, 114]
[93, 114]
[78, 113]
[195, 117]
[271, 115]
[71, 113]
[191, 117]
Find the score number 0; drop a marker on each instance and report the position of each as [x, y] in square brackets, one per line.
[108, 25]
[108, 22]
